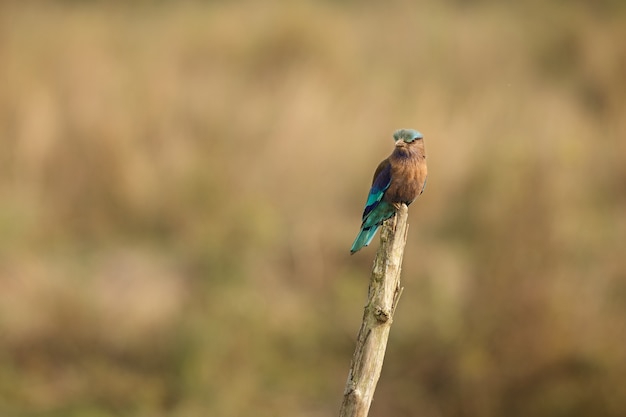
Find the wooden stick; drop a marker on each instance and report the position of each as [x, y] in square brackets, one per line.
[383, 295]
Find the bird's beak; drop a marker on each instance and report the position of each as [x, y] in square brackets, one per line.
[400, 143]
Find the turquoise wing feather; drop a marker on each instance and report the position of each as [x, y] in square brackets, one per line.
[376, 210]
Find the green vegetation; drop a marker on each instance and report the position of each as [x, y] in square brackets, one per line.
[180, 184]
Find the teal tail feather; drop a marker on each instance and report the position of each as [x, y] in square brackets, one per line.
[371, 223]
[364, 238]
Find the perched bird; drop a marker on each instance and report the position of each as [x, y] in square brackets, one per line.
[398, 179]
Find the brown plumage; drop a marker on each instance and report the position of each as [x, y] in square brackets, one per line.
[408, 172]
[398, 179]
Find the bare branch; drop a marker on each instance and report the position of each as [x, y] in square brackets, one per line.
[383, 295]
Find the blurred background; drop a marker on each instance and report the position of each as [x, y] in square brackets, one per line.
[180, 184]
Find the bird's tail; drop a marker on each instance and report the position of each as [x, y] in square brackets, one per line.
[371, 223]
[365, 236]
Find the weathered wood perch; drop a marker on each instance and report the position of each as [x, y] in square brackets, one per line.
[382, 299]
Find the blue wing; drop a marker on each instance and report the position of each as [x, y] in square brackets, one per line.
[376, 210]
[382, 181]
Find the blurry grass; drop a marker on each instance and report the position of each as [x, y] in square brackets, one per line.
[180, 183]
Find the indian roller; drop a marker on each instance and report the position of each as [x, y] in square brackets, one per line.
[398, 179]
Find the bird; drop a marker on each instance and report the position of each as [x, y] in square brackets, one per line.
[399, 179]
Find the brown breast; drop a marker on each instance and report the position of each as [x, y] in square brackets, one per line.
[407, 179]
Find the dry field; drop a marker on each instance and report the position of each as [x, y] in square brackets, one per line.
[180, 184]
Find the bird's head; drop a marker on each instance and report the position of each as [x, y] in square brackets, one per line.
[406, 137]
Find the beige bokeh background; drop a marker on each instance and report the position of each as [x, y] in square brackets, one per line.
[180, 184]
